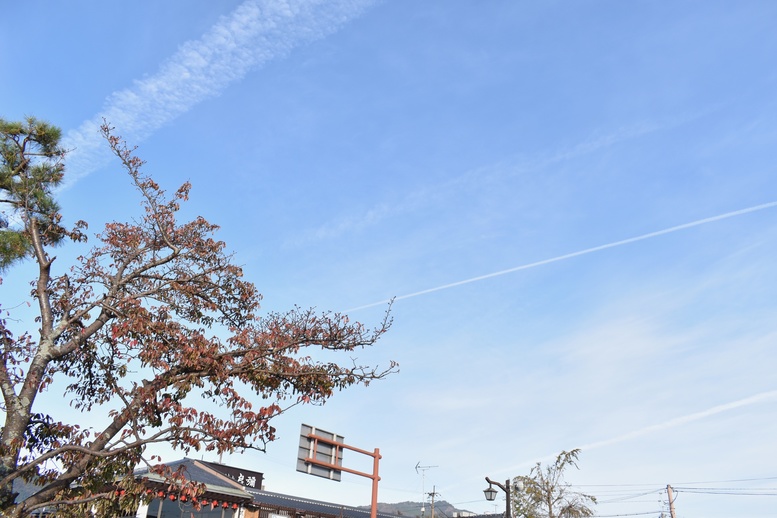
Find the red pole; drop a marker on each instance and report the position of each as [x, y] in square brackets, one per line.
[375, 479]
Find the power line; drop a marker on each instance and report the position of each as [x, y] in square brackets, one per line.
[729, 491]
[683, 483]
[629, 497]
[627, 514]
[733, 480]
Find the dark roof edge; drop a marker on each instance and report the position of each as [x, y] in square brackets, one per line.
[331, 505]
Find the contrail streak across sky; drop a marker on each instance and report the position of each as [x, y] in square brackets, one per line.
[256, 32]
[599, 248]
[763, 397]
[679, 421]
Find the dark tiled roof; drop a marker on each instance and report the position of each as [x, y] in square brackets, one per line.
[217, 487]
[201, 472]
[25, 489]
[311, 506]
[195, 472]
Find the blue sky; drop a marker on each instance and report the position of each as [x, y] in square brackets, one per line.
[600, 173]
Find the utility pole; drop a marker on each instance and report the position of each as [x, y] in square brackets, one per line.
[670, 494]
[423, 480]
[433, 494]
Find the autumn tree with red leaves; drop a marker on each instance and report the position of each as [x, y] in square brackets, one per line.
[154, 329]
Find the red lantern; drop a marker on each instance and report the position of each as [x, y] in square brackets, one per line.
[161, 494]
[225, 505]
[234, 506]
[172, 497]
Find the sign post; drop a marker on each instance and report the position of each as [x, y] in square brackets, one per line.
[321, 454]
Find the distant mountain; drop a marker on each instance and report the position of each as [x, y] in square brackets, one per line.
[442, 509]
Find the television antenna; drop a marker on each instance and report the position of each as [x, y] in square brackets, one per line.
[423, 470]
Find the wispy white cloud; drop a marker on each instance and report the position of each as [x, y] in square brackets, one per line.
[256, 32]
[464, 182]
[571, 255]
[337, 228]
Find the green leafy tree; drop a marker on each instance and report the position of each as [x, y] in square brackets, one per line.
[154, 330]
[545, 494]
[30, 167]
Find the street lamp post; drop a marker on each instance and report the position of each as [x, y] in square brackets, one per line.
[490, 492]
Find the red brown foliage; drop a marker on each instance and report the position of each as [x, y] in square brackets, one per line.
[157, 329]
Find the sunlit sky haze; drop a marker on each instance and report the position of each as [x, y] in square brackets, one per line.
[574, 205]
